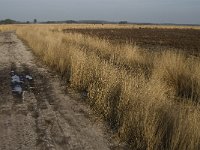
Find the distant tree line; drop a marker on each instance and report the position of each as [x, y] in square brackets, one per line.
[8, 21]
[123, 22]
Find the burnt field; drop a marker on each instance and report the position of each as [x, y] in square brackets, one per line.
[150, 38]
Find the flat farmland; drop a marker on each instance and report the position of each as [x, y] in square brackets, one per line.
[149, 38]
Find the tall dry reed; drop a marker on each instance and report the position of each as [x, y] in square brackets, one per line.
[154, 104]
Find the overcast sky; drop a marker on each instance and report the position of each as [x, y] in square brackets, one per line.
[154, 11]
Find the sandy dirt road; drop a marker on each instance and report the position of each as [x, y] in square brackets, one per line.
[44, 118]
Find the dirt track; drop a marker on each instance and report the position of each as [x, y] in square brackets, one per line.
[44, 117]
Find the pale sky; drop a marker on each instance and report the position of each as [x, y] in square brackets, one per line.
[148, 11]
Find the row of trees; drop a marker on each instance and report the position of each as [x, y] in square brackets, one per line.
[10, 21]
[34, 21]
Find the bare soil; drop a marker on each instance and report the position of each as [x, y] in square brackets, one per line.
[187, 40]
[44, 117]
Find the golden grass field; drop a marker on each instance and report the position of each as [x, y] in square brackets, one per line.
[149, 99]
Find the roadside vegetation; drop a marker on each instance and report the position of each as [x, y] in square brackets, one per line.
[149, 99]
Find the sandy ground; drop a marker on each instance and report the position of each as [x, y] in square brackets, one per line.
[45, 117]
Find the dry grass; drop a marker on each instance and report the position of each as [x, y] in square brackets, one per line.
[150, 100]
[181, 73]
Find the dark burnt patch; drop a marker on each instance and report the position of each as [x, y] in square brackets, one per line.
[187, 40]
[21, 81]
